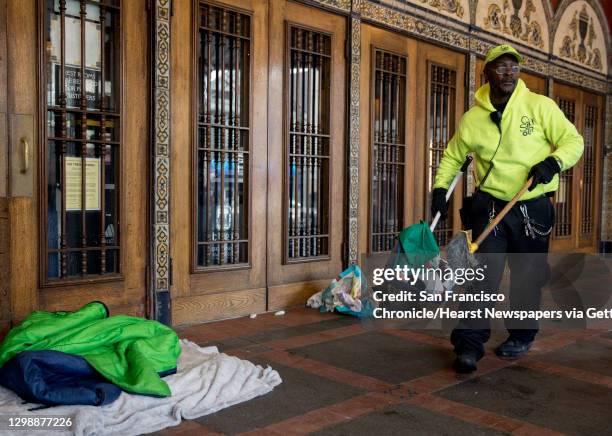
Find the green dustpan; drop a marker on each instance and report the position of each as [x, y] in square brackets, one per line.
[419, 244]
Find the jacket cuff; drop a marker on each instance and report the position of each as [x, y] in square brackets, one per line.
[558, 161]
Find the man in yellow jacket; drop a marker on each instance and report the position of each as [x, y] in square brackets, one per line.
[513, 134]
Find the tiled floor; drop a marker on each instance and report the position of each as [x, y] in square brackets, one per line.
[342, 376]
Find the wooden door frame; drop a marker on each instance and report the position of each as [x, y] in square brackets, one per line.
[291, 282]
[372, 38]
[570, 243]
[22, 68]
[581, 97]
[416, 52]
[206, 294]
[460, 66]
[408, 187]
[125, 294]
[5, 234]
[598, 159]
[194, 270]
[43, 282]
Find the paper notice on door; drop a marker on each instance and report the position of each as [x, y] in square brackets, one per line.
[73, 183]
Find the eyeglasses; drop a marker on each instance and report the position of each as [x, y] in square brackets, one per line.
[502, 69]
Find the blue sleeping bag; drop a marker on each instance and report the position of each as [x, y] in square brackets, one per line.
[55, 378]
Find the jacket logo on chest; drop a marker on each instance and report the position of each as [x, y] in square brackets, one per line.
[527, 125]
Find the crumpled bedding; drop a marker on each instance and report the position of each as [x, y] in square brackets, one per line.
[206, 382]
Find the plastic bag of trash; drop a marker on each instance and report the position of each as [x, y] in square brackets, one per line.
[344, 294]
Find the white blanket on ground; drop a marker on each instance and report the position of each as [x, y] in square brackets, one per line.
[206, 381]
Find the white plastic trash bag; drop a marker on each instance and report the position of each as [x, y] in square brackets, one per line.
[343, 294]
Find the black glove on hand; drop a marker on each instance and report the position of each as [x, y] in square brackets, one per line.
[438, 203]
[543, 172]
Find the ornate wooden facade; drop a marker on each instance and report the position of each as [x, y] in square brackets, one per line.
[231, 156]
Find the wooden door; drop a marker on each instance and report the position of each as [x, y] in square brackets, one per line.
[577, 202]
[261, 152]
[441, 103]
[80, 234]
[589, 185]
[387, 150]
[306, 154]
[564, 234]
[219, 142]
[412, 97]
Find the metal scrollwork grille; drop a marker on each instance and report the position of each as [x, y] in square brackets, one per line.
[82, 103]
[564, 196]
[587, 219]
[388, 149]
[440, 127]
[308, 145]
[223, 149]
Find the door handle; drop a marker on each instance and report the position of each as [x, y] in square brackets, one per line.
[25, 154]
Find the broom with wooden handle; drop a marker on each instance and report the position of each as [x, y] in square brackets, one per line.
[460, 250]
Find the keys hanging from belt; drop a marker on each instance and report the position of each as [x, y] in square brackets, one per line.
[492, 217]
[531, 225]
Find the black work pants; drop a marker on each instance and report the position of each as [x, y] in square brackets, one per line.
[527, 261]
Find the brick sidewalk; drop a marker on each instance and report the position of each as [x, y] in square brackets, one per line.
[343, 376]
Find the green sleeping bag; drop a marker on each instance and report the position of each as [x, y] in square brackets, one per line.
[129, 351]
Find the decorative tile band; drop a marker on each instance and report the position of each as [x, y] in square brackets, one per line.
[354, 129]
[457, 10]
[343, 5]
[463, 40]
[410, 24]
[575, 78]
[472, 81]
[160, 250]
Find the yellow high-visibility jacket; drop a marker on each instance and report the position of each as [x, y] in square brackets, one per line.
[532, 128]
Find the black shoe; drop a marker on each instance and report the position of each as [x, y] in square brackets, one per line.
[513, 348]
[465, 363]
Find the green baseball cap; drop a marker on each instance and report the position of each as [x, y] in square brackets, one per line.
[498, 50]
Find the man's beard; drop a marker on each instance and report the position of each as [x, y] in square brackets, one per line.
[504, 92]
